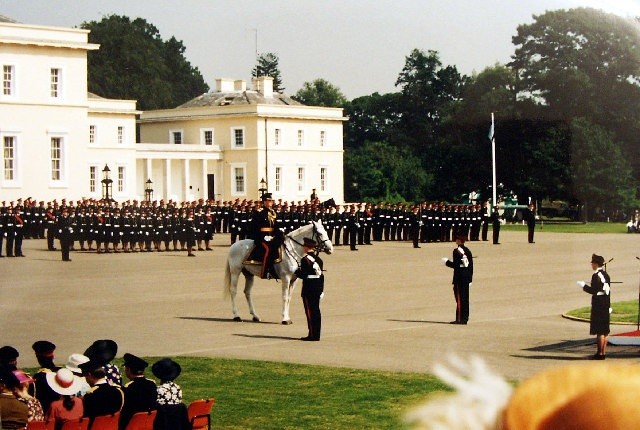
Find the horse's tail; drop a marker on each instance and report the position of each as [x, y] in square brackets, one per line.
[226, 290]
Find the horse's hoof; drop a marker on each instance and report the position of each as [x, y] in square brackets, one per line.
[287, 322]
[237, 319]
[256, 319]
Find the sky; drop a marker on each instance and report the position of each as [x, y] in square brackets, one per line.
[360, 46]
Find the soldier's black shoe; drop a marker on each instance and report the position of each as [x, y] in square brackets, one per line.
[309, 339]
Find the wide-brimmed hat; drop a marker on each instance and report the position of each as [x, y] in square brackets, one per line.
[166, 369]
[23, 377]
[74, 361]
[134, 362]
[102, 351]
[64, 381]
[597, 259]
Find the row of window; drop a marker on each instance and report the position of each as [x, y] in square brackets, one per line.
[238, 137]
[9, 81]
[239, 183]
[93, 135]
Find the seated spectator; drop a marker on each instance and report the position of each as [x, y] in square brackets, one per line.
[631, 226]
[73, 363]
[14, 414]
[172, 412]
[22, 393]
[104, 351]
[44, 351]
[9, 357]
[103, 398]
[69, 406]
[140, 394]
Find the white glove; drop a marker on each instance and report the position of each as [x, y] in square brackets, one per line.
[470, 283]
[581, 284]
[444, 260]
[322, 296]
[268, 238]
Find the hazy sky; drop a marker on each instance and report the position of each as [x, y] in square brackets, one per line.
[358, 45]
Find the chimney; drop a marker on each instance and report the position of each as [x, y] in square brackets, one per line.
[239, 85]
[225, 85]
[264, 85]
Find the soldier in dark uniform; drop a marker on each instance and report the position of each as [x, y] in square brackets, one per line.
[530, 217]
[310, 271]
[10, 230]
[600, 290]
[338, 224]
[485, 217]
[462, 266]
[352, 225]
[368, 223]
[495, 225]
[102, 398]
[415, 222]
[20, 224]
[65, 233]
[266, 235]
[3, 229]
[44, 351]
[189, 231]
[140, 395]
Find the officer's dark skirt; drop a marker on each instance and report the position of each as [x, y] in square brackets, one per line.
[599, 315]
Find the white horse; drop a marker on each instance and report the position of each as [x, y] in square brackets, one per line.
[292, 253]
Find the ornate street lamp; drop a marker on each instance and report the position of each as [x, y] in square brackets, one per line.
[107, 183]
[148, 192]
[263, 187]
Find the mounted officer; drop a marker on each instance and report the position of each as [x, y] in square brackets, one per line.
[267, 236]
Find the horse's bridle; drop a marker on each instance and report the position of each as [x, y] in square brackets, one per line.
[315, 236]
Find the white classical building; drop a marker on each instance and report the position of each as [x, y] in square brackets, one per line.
[58, 139]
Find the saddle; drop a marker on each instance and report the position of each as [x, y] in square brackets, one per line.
[256, 256]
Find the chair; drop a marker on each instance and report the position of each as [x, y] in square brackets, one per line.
[78, 424]
[41, 425]
[199, 413]
[142, 421]
[106, 422]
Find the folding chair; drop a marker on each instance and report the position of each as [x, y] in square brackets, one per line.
[199, 413]
[106, 422]
[78, 424]
[142, 421]
[41, 425]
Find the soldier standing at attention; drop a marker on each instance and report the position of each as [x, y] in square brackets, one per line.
[462, 266]
[310, 271]
[600, 290]
[530, 218]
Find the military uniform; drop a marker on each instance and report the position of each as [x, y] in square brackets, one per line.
[462, 266]
[310, 271]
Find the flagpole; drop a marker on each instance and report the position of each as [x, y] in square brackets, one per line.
[493, 161]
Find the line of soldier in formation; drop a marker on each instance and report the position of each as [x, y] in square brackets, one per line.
[132, 226]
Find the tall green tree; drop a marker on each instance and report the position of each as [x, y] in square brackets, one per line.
[371, 118]
[133, 62]
[320, 92]
[267, 65]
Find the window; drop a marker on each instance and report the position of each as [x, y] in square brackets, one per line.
[301, 186]
[238, 180]
[323, 179]
[92, 134]
[120, 135]
[323, 137]
[277, 136]
[207, 137]
[300, 137]
[278, 186]
[8, 76]
[56, 81]
[121, 179]
[237, 137]
[9, 157]
[92, 178]
[176, 137]
[56, 158]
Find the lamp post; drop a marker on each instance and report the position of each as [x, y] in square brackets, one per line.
[148, 192]
[263, 187]
[107, 183]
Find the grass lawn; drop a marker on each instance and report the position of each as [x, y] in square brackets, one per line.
[268, 395]
[623, 312]
[591, 227]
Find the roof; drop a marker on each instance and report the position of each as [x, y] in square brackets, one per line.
[7, 19]
[236, 98]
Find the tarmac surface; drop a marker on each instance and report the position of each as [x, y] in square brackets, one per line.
[386, 307]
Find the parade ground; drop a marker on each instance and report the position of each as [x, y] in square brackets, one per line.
[387, 306]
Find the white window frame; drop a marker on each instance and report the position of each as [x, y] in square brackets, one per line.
[203, 136]
[8, 84]
[301, 178]
[234, 141]
[121, 179]
[300, 137]
[233, 168]
[324, 179]
[56, 86]
[121, 135]
[172, 136]
[323, 137]
[277, 136]
[277, 183]
[93, 178]
[62, 180]
[93, 134]
[15, 167]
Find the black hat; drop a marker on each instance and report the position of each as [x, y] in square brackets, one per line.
[134, 362]
[309, 242]
[461, 237]
[166, 369]
[8, 353]
[91, 365]
[43, 348]
[597, 259]
[267, 196]
[102, 351]
[8, 378]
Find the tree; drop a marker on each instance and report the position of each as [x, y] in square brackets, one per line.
[134, 63]
[267, 65]
[320, 93]
[371, 118]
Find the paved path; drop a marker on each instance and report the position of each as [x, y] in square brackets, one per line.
[386, 306]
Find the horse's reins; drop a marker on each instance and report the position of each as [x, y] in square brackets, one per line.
[318, 248]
